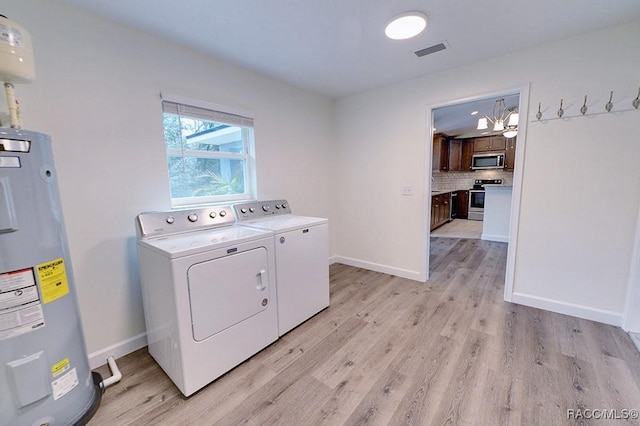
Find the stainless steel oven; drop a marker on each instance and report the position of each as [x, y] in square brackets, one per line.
[476, 197]
[476, 204]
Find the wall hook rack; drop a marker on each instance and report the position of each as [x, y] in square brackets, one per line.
[609, 105]
[584, 108]
[560, 111]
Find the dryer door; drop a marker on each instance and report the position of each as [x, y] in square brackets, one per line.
[225, 291]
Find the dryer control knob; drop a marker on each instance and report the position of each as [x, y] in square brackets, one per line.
[223, 213]
[170, 220]
[192, 217]
[212, 215]
[278, 206]
[243, 210]
[252, 209]
[284, 205]
[265, 207]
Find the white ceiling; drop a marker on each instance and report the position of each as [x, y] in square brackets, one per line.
[337, 47]
[457, 120]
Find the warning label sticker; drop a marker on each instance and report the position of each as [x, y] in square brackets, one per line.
[64, 384]
[53, 280]
[60, 367]
[20, 304]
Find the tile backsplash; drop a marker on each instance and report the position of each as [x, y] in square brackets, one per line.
[452, 181]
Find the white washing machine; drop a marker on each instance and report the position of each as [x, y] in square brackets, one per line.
[208, 290]
[302, 258]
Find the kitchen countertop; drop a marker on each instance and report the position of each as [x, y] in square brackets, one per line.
[439, 192]
[510, 187]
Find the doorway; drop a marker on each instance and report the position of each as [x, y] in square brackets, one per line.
[455, 140]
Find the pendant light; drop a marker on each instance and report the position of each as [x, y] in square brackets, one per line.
[501, 115]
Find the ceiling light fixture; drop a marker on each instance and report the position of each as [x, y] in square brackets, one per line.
[501, 116]
[406, 25]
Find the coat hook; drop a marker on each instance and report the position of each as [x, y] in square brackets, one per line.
[560, 111]
[539, 114]
[609, 105]
[636, 101]
[583, 109]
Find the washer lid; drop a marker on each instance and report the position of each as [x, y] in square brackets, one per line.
[286, 222]
[179, 245]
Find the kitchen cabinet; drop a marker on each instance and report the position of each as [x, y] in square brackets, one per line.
[440, 210]
[455, 155]
[510, 155]
[489, 143]
[467, 154]
[460, 153]
[440, 160]
[462, 204]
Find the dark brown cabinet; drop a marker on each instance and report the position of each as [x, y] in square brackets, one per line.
[440, 158]
[510, 155]
[462, 204]
[440, 210]
[467, 154]
[489, 143]
[455, 155]
[459, 155]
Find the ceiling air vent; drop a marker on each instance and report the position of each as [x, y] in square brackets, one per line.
[433, 49]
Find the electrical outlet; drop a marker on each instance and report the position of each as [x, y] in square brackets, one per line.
[407, 190]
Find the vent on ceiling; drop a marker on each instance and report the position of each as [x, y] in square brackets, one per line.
[432, 49]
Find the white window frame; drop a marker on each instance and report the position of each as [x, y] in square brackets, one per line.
[194, 108]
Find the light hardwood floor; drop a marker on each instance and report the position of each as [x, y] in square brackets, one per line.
[459, 228]
[394, 351]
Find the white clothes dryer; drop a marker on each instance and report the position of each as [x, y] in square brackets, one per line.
[208, 290]
[302, 258]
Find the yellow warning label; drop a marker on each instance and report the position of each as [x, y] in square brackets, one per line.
[60, 367]
[53, 280]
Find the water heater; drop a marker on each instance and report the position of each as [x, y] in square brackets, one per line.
[45, 377]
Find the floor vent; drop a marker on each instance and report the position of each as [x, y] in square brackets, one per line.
[429, 50]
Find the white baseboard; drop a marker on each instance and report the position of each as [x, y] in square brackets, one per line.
[99, 358]
[385, 269]
[584, 312]
[498, 238]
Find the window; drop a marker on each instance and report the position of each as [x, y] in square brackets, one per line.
[209, 154]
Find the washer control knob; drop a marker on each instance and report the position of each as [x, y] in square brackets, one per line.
[252, 209]
[243, 210]
[212, 215]
[265, 208]
[170, 220]
[193, 217]
[284, 205]
[223, 213]
[278, 206]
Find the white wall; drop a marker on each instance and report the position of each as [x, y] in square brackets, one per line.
[97, 95]
[581, 182]
[97, 92]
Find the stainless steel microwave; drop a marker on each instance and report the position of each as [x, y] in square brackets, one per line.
[494, 160]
